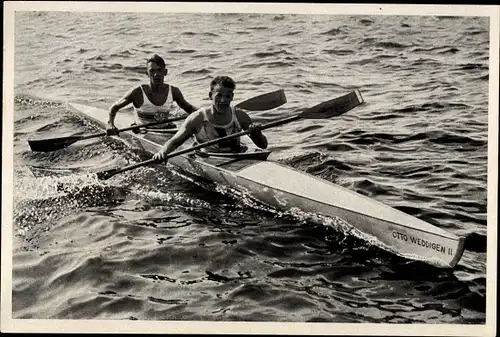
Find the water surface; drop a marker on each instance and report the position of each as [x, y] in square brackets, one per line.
[149, 245]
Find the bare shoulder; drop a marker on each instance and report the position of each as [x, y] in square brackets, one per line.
[133, 95]
[132, 92]
[243, 117]
[176, 92]
[136, 96]
[195, 120]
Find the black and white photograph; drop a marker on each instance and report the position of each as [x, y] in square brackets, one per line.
[250, 168]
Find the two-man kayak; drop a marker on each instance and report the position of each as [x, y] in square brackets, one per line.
[285, 188]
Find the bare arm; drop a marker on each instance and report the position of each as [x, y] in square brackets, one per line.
[121, 103]
[246, 123]
[181, 102]
[187, 129]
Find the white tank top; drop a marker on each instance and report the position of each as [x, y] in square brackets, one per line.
[209, 131]
[148, 112]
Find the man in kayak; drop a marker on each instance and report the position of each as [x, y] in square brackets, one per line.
[152, 103]
[220, 120]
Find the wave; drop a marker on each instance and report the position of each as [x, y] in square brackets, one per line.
[136, 69]
[451, 50]
[382, 117]
[202, 34]
[465, 143]
[332, 163]
[333, 31]
[48, 125]
[475, 207]
[384, 44]
[197, 72]
[370, 138]
[271, 53]
[124, 53]
[302, 161]
[424, 61]
[339, 147]
[442, 50]
[432, 107]
[96, 58]
[207, 55]
[471, 66]
[269, 64]
[258, 28]
[296, 32]
[472, 32]
[340, 52]
[182, 51]
[362, 62]
[317, 84]
[369, 187]
[309, 128]
[446, 138]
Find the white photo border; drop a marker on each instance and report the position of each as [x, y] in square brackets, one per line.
[8, 324]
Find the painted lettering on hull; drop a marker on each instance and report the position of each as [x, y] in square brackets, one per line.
[422, 243]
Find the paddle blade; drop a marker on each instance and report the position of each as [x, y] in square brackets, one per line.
[334, 107]
[53, 144]
[104, 175]
[264, 102]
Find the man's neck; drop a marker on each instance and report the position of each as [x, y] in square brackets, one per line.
[155, 87]
[224, 112]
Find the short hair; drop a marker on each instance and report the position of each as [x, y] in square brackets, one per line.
[224, 81]
[157, 59]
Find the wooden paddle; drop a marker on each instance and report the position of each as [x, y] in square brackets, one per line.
[328, 109]
[262, 102]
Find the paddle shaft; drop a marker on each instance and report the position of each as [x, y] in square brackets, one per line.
[168, 120]
[202, 145]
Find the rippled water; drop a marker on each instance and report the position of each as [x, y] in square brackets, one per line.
[149, 245]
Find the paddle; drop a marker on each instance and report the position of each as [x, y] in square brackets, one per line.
[262, 102]
[328, 109]
[53, 144]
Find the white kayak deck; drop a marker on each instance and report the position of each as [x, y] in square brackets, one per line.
[278, 176]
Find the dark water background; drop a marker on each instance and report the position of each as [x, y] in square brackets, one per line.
[149, 245]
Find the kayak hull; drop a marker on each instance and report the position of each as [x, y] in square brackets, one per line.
[405, 235]
[287, 189]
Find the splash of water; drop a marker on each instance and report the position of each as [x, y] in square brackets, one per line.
[153, 197]
[40, 201]
[27, 100]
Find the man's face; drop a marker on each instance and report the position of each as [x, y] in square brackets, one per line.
[156, 73]
[221, 97]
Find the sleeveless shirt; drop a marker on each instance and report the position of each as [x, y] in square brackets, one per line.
[148, 112]
[209, 131]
